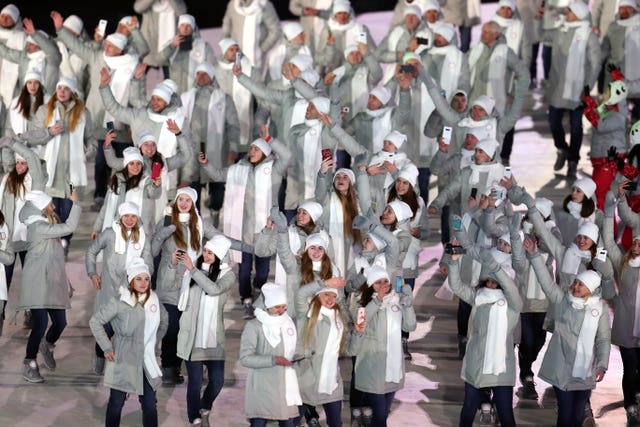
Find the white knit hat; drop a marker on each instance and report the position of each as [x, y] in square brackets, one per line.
[219, 245]
[70, 82]
[590, 230]
[377, 240]
[187, 19]
[508, 3]
[128, 208]
[131, 154]
[341, 6]
[479, 132]
[488, 145]
[274, 294]
[348, 172]
[193, 194]
[226, 44]
[327, 289]
[314, 209]
[401, 210]
[506, 237]
[162, 92]
[410, 173]
[206, 67]
[38, 198]
[447, 31]
[316, 239]
[544, 206]
[350, 48]
[397, 138]
[382, 93]
[291, 30]
[170, 84]
[587, 185]
[375, 273]
[73, 23]
[127, 20]
[322, 104]
[262, 145]
[146, 137]
[430, 5]
[135, 267]
[11, 10]
[630, 3]
[580, 9]
[310, 76]
[485, 102]
[302, 61]
[33, 75]
[412, 10]
[591, 279]
[118, 40]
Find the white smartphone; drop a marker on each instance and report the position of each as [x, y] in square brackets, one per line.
[507, 171]
[362, 38]
[602, 254]
[446, 134]
[239, 59]
[102, 27]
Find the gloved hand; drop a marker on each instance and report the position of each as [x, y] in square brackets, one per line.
[612, 154]
[603, 267]
[620, 164]
[279, 220]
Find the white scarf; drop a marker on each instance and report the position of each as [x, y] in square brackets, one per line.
[392, 43]
[495, 348]
[234, 199]
[347, 34]
[295, 244]
[251, 34]
[282, 328]
[299, 111]
[167, 140]
[574, 71]
[4, 240]
[242, 99]
[215, 120]
[494, 171]
[312, 156]
[37, 62]
[197, 55]
[319, 23]
[573, 259]
[123, 67]
[380, 126]
[631, 47]
[575, 209]
[592, 308]
[193, 254]
[9, 73]
[534, 290]
[473, 9]
[77, 162]
[391, 305]
[359, 87]
[466, 158]
[497, 72]
[451, 67]
[19, 232]
[278, 55]
[122, 246]
[166, 22]
[336, 231]
[360, 263]
[72, 64]
[327, 382]
[207, 322]
[151, 324]
[135, 195]
[513, 30]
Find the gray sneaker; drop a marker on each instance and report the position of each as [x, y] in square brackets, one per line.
[248, 309]
[46, 349]
[98, 368]
[31, 372]
[204, 417]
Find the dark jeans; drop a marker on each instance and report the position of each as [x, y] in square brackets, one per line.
[332, 411]
[630, 358]
[533, 65]
[571, 405]
[63, 208]
[424, 174]
[356, 397]
[168, 358]
[531, 341]
[465, 38]
[474, 397]
[109, 330]
[380, 405]
[343, 159]
[557, 131]
[215, 191]
[215, 381]
[464, 313]
[8, 274]
[244, 273]
[261, 422]
[147, 402]
[445, 230]
[546, 60]
[507, 144]
[40, 321]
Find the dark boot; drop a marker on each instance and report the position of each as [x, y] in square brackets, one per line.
[572, 170]
[462, 346]
[560, 159]
[405, 349]
[168, 377]
[178, 375]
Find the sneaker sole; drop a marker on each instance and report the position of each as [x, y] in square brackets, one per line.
[33, 381]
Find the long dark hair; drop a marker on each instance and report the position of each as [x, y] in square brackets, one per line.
[214, 269]
[24, 101]
[130, 181]
[588, 206]
[366, 294]
[15, 182]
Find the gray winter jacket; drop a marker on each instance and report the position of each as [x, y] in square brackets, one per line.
[149, 26]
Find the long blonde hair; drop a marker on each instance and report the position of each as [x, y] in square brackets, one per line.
[75, 114]
[135, 233]
[179, 236]
[315, 305]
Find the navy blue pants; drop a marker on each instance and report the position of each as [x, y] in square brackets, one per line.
[244, 273]
[40, 320]
[474, 397]
[147, 402]
[575, 130]
[380, 405]
[63, 209]
[168, 358]
[215, 381]
[630, 364]
[332, 411]
[531, 341]
[261, 422]
[571, 406]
